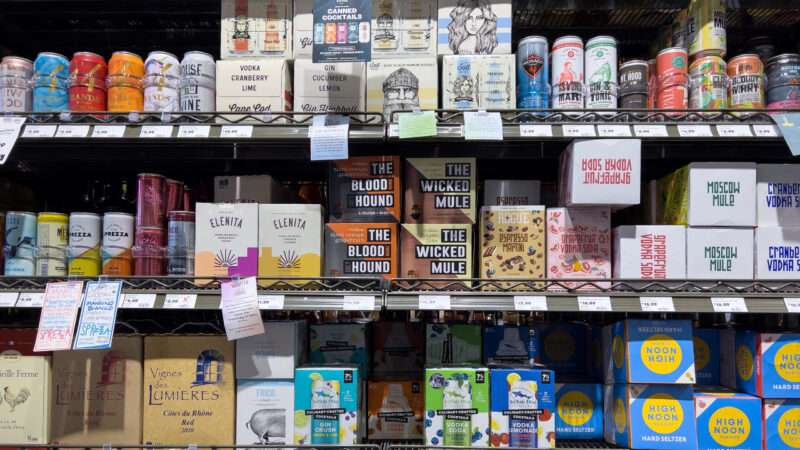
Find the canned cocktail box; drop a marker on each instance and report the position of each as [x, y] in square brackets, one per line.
[290, 240]
[579, 243]
[274, 354]
[248, 189]
[707, 356]
[562, 346]
[479, 81]
[457, 406]
[727, 420]
[329, 87]
[226, 242]
[303, 33]
[258, 86]
[512, 242]
[339, 343]
[649, 351]
[601, 172]
[777, 253]
[365, 189]
[458, 343]
[649, 252]
[435, 251]
[361, 250]
[522, 408]
[650, 416]
[579, 411]
[510, 345]
[440, 190]
[264, 412]
[328, 405]
[456, 36]
[768, 364]
[403, 28]
[778, 194]
[398, 349]
[511, 192]
[781, 427]
[253, 28]
[719, 253]
[396, 409]
[402, 85]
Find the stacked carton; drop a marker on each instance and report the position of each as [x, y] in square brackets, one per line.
[328, 405]
[778, 232]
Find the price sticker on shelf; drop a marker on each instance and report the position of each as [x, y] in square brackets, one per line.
[108, 131]
[734, 131]
[30, 300]
[657, 304]
[358, 303]
[194, 131]
[536, 130]
[650, 131]
[39, 131]
[729, 304]
[180, 301]
[72, 131]
[394, 130]
[271, 301]
[614, 130]
[8, 299]
[765, 131]
[156, 131]
[483, 126]
[578, 130]
[530, 303]
[594, 304]
[695, 131]
[138, 301]
[792, 304]
[236, 131]
[434, 302]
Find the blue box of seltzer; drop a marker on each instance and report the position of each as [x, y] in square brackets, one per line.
[579, 411]
[727, 420]
[768, 364]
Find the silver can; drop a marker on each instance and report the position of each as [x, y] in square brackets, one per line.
[567, 57]
[162, 63]
[198, 82]
[16, 93]
[20, 243]
[180, 243]
[601, 73]
[161, 93]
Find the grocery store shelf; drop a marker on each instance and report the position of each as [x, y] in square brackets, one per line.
[561, 444]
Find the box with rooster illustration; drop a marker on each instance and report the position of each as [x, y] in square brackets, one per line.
[457, 407]
[579, 243]
[522, 408]
[768, 364]
[264, 412]
[395, 409]
[290, 240]
[327, 403]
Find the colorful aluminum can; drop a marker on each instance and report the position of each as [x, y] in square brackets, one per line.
[20, 244]
[50, 82]
[117, 244]
[533, 73]
[161, 93]
[188, 199]
[149, 261]
[87, 90]
[173, 195]
[162, 63]
[16, 94]
[84, 244]
[678, 30]
[198, 82]
[125, 87]
[150, 207]
[126, 64]
[708, 83]
[783, 81]
[52, 239]
[763, 46]
[601, 73]
[567, 63]
[150, 237]
[706, 28]
[180, 243]
[746, 82]
[672, 79]
[633, 84]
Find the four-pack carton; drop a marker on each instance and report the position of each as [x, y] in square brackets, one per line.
[256, 86]
[439, 190]
[493, 36]
[398, 350]
[264, 412]
[361, 250]
[365, 189]
[339, 343]
[510, 345]
[290, 240]
[768, 364]
[395, 409]
[579, 411]
[274, 354]
[511, 192]
[778, 195]
[562, 346]
[727, 420]
[512, 242]
[251, 28]
[329, 87]
[435, 251]
[601, 172]
[327, 405]
[479, 82]
[707, 355]
[457, 406]
[719, 253]
[226, 242]
[649, 252]
[777, 253]
[579, 243]
[522, 407]
[403, 28]
[395, 85]
[455, 343]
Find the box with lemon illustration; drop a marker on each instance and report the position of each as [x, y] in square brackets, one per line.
[649, 351]
[327, 406]
[768, 364]
[727, 420]
[707, 356]
[781, 424]
[522, 404]
[562, 346]
[579, 411]
[457, 407]
[650, 416]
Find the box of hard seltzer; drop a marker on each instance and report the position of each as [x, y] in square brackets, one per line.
[768, 364]
[579, 411]
[727, 420]
[781, 424]
[522, 402]
[650, 416]
[457, 407]
[707, 356]
[649, 351]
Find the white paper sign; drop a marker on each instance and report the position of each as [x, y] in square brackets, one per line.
[434, 302]
[108, 131]
[39, 131]
[236, 131]
[240, 312]
[194, 131]
[767, 131]
[483, 126]
[328, 136]
[180, 301]
[271, 301]
[9, 132]
[578, 130]
[657, 304]
[72, 131]
[530, 303]
[650, 130]
[358, 303]
[57, 318]
[594, 304]
[695, 131]
[734, 131]
[98, 315]
[8, 299]
[614, 130]
[729, 304]
[156, 131]
[138, 301]
[394, 129]
[30, 300]
[792, 304]
[536, 130]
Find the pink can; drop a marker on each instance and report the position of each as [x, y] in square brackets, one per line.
[150, 207]
[173, 196]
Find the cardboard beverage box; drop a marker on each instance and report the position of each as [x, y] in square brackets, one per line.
[767, 364]
[522, 408]
[257, 86]
[98, 394]
[290, 240]
[562, 346]
[727, 420]
[361, 250]
[457, 406]
[403, 28]
[650, 416]
[252, 28]
[435, 251]
[303, 36]
[365, 189]
[189, 390]
[264, 412]
[274, 354]
[727, 358]
[649, 351]
[649, 252]
[578, 243]
[601, 172]
[440, 190]
[26, 389]
[781, 429]
[510, 345]
[456, 343]
[398, 350]
[479, 82]
[329, 87]
[226, 239]
[778, 195]
[402, 84]
[579, 409]
[248, 189]
[339, 343]
[511, 192]
[328, 406]
[777, 253]
[457, 38]
[719, 253]
[512, 242]
[707, 356]
[395, 410]
[597, 368]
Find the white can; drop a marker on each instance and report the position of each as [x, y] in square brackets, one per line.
[84, 230]
[162, 63]
[567, 64]
[601, 73]
[198, 82]
[161, 93]
[117, 233]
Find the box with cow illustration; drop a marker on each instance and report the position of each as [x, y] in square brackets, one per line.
[435, 251]
[290, 240]
[512, 242]
[328, 406]
[768, 364]
[361, 250]
[440, 190]
[264, 412]
[365, 189]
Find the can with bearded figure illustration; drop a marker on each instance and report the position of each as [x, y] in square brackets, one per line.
[568, 73]
[533, 73]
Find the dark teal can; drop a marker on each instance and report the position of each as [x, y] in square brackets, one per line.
[50, 83]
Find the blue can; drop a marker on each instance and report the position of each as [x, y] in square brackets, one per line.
[533, 73]
[50, 83]
[20, 243]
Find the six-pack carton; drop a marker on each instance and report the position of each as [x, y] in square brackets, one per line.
[395, 409]
[562, 346]
[768, 364]
[778, 195]
[290, 240]
[579, 411]
[440, 190]
[479, 82]
[398, 349]
[365, 189]
[707, 356]
[248, 189]
[601, 172]
[457, 406]
[777, 253]
[256, 28]
[511, 192]
[522, 408]
[403, 28]
[361, 250]
[402, 85]
[256, 87]
[339, 343]
[456, 343]
[727, 420]
[719, 253]
[226, 242]
[435, 251]
[274, 354]
[649, 252]
[781, 424]
[264, 412]
[329, 87]
[510, 345]
[579, 243]
[512, 242]
[328, 406]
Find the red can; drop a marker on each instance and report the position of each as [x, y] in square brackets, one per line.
[672, 66]
[87, 97]
[150, 237]
[188, 199]
[149, 261]
[174, 196]
[87, 90]
[88, 65]
[652, 84]
[150, 200]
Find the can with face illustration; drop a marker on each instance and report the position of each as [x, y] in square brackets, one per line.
[746, 82]
[117, 243]
[84, 244]
[567, 63]
[52, 232]
[16, 94]
[533, 73]
[708, 83]
[20, 243]
[601, 73]
[50, 82]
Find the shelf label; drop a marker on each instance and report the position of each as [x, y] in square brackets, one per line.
[765, 131]
[236, 131]
[57, 319]
[483, 126]
[156, 131]
[536, 130]
[72, 131]
[614, 130]
[39, 131]
[328, 136]
[98, 315]
[695, 131]
[138, 301]
[596, 304]
[30, 300]
[8, 299]
[734, 131]
[434, 302]
[650, 130]
[394, 130]
[240, 313]
[9, 132]
[358, 303]
[108, 131]
[729, 304]
[792, 304]
[416, 124]
[271, 301]
[530, 303]
[180, 301]
[194, 131]
[657, 304]
[578, 130]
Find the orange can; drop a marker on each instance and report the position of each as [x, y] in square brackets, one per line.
[672, 66]
[746, 87]
[125, 94]
[126, 64]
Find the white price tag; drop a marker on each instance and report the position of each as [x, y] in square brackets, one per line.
[578, 130]
[434, 302]
[394, 130]
[108, 131]
[695, 131]
[194, 131]
[358, 303]
[734, 131]
[39, 131]
[30, 300]
[72, 131]
[792, 304]
[271, 301]
[729, 304]
[156, 131]
[8, 299]
[594, 304]
[657, 304]
[650, 130]
[138, 301]
[614, 130]
[9, 132]
[766, 131]
[236, 131]
[483, 126]
[536, 130]
[530, 303]
[180, 301]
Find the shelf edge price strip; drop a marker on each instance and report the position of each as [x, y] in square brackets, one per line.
[358, 303]
[138, 301]
[236, 131]
[8, 299]
[595, 304]
[695, 131]
[434, 302]
[72, 131]
[530, 303]
[108, 131]
[536, 130]
[194, 131]
[792, 304]
[614, 130]
[273, 302]
[39, 131]
[734, 131]
[156, 131]
[650, 130]
[30, 300]
[180, 301]
[728, 304]
[657, 304]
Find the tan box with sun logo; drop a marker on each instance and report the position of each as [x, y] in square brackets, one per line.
[290, 240]
[512, 242]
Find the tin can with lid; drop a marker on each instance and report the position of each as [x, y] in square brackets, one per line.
[601, 73]
[533, 73]
[706, 28]
[16, 93]
[746, 82]
[708, 83]
[180, 243]
[198, 82]
[567, 62]
[783, 81]
[118, 238]
[85, 233]
[20, 243]
[633, 84]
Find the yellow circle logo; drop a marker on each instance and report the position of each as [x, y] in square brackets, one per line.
[789, 428]
[559, 346]
[702, 354]
[575, 408]
[787, 362]
[618, 351]
[661, 354]
[662, 414]
[744, 362]
[620, 418]
[729, 426]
